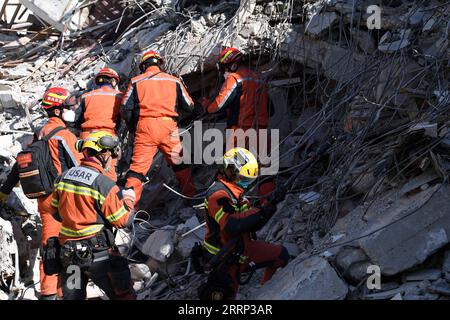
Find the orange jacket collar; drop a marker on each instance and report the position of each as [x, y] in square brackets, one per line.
[234, 188]
[153, 69]
[92, 162]
[56, 121]
[51, 124]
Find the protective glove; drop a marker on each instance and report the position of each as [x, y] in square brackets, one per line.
[278, 195]
[128, 197]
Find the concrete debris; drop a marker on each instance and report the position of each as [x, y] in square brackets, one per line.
[9, 268]
[431, 274]
[393, 42]
[315, 280]
[319, 23]
[185, 244]
[352, 264]
[446, 263]
[407, 289]
[159, 245]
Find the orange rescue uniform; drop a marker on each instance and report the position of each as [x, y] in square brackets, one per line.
[99, 110]
[89, 204]
[245, 97]
[229, 215]
[64, 156]
[150, 107]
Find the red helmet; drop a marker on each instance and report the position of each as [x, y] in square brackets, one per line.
[108, 72]
[230, 55]
[54, 97]
[152, 54]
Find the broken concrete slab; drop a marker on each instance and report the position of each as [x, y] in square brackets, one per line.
[391, 42]
[292, 248]
[21, 71]
[159, 244]
[420, 231]
[446, 262]
[401, 232]
[352, 263]
[8, 251]
[58, 13]
[337, 63]
[441, 287]
[409, 288]
[415, 183]
[185, 244]
[312, 279]
[431, 274]
[320, 23]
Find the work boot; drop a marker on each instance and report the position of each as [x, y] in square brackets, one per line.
[48, 297]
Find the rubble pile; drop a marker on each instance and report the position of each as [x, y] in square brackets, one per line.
[380, 97]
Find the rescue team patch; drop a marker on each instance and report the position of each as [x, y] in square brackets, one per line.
[81, 174]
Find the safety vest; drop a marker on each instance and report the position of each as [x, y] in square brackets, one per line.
[212, 243]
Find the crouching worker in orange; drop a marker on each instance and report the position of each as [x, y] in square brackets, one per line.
[150, 109]
[60, 147]
[245, 97]
[230, 246]
[88, 204]
[99, 109]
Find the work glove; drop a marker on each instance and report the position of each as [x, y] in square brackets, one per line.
[128, 197]
[278, 195]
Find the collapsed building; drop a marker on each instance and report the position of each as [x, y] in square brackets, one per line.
[378, 93]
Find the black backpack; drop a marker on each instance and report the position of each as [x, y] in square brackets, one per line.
[37, 172]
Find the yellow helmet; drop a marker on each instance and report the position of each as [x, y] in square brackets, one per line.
[244, 164]
[98, 141]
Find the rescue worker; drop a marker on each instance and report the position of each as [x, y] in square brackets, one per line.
[150, 108]
[64, 156]
[89, 204]
[99, 109]
[231, 223]
[245, 98]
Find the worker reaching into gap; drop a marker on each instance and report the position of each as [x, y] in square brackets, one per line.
[89, 204]
[61, 144]
[231, 225]
[244, 95]
[99, 109]
[150, 109]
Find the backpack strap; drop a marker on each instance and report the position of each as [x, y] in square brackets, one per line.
[52, 133]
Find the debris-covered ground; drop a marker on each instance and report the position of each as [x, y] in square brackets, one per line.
[381, 96]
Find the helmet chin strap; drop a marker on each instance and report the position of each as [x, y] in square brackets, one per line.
[103, 162]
